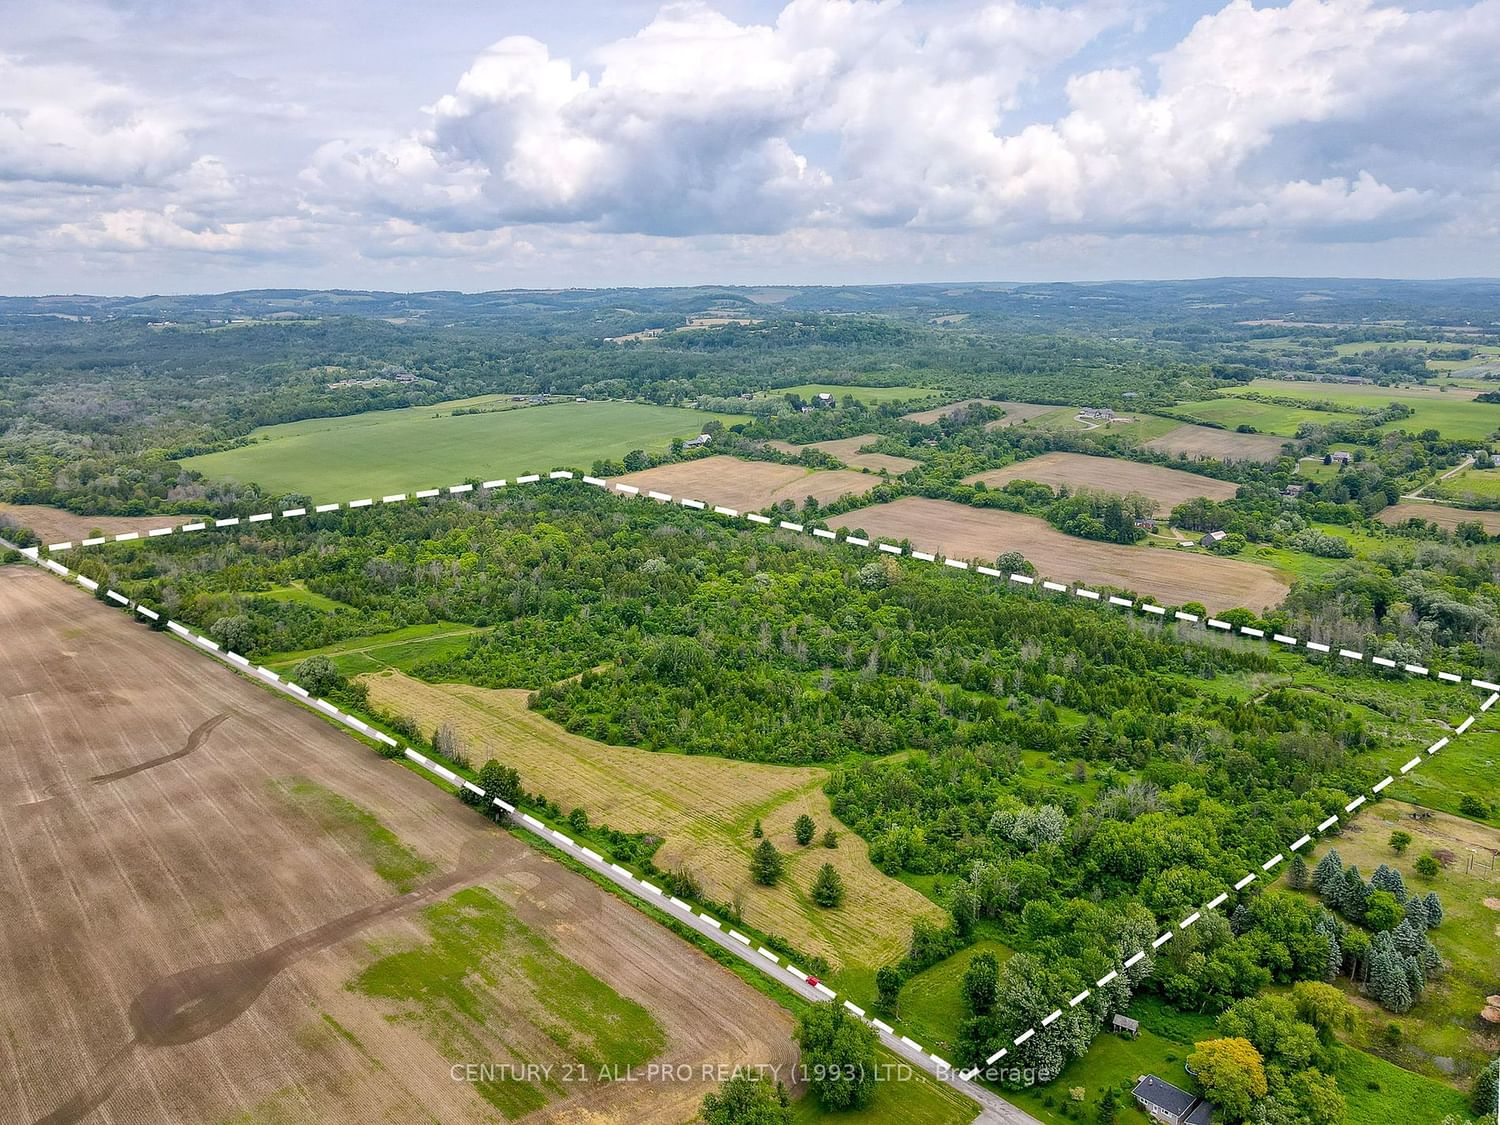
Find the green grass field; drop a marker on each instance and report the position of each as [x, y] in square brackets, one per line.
[1468, 486]
[871, 395]
[1267, 418]
[300, 595]
[913, 1099]
[1448, 413]
[402, 649]
[430, 447]
[931, 1003]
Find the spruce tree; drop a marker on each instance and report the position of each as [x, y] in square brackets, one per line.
[804, 829]
[1484, 1098]
[1389, 879]
[1329, 868]
[1352, 897]
[1434, 910]
[828, 888]
[1416, 912]
[1296, 874]
[766, 864]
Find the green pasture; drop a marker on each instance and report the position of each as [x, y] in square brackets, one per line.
[1452, 415]
[392, 451]
[402, 649]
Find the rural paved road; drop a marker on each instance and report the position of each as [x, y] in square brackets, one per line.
[994, 1110]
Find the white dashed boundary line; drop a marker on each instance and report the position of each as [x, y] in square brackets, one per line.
[647, 892]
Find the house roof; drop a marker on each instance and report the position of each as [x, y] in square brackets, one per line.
[1165, 1096]
[1203, 1114]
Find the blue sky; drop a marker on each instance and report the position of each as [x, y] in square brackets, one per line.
[197, 145]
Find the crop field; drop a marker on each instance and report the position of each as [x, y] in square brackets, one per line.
[747, 485]
[847, 450]
[1200, 442]
[1469, 486]
[1265, 417]
[1453, 413]
[55, 525]
[1168, 487]
[1172, 574]
[1444, 515]
[404, 450]
[704, 808]
[220, 908]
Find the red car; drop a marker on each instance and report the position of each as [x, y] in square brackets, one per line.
[813, 981]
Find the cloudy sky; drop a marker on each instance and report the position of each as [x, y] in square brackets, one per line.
[181, 145]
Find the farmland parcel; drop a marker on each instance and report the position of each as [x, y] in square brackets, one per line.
[240, 911]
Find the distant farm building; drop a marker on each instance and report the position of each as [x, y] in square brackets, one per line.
[824, 399]
[1343, 457]
[1097, 414]
[1212, 538]
[701, 439]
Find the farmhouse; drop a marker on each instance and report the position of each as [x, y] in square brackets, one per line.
[1343, 457]
[824, 398]
[1169, 1105]
[694, 443]
[1292, 490]
[1097, 414]
[1212, 538]
[1146, 525]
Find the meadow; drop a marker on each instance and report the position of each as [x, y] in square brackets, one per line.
[1454, 414]
[872, 396]
[432, 446]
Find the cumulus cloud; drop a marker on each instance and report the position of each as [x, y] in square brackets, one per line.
[64, 123]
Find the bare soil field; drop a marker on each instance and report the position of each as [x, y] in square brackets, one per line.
[962, 532]
[1168, 487]
[1444, 515]
[1223, 445]
[847, 451]
[1018, 412]
[927, 417]
[183, 943]
[748, 485]
[55, 525]
[705, 809]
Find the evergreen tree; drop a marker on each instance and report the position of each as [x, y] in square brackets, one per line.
[1296, 874]
[766, 864]
[1416, 912]
[757, 832]
[1329, 869]
[1434, 910]
[804, 829]
[1484, 1098]
[1409, 938]
[888, 984]
[828, 888]
[1354, 895]
[1389, 879]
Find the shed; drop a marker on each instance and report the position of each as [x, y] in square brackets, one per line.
[1126, 1024]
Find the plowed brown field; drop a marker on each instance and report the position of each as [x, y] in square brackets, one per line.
[749, 484]
[961, 532]
[178, 938]
[1223, 445]
[1444, 515]
[55, 525]
[1168, 487]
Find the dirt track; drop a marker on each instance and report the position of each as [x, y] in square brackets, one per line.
[177, 940]
[962, 532]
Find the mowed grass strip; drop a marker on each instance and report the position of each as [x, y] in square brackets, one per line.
[430, 447]
[705, 808]
[1168, 487]
[478, 967]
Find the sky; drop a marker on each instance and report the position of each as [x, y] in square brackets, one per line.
[167, 146]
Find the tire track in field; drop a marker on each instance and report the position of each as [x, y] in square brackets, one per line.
[194, 1003]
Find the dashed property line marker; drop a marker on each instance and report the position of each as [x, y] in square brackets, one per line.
[1157, 943]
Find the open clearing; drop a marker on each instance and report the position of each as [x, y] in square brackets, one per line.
[54, 525]
[747, 485]
[194, 872]
[704, 808]
[430, 447]
[847, 450]
[927, 417]
[1444, 515]
[1168, 487]
[1017, 413]
[1221, 445]
[872, 396]
[1173, 575]
[1468, 487]
[1453, 413]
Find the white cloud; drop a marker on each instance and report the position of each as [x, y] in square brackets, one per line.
[64, 123]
